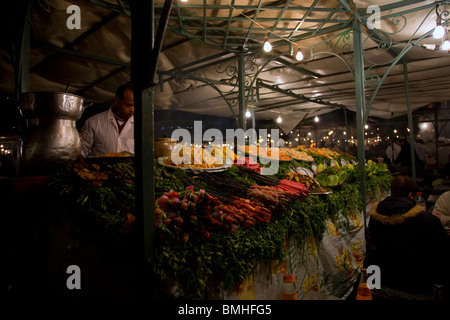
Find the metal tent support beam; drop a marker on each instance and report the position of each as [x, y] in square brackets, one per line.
[242, 98]
[300, 97]
[141, 47]
[360, 105]
[410, 123]
[436, 131]
[145, 51]
[252, 111]
[346, 127]
[144, 59]
[23, 54]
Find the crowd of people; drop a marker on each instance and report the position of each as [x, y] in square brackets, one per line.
[398, 156]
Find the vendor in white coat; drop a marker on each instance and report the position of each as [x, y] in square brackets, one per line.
[111, 130]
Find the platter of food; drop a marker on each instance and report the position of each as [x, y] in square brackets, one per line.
[268, 154]
[195, 167]
[110, 157]
[200, 160]
[304, 171]
[299, 155]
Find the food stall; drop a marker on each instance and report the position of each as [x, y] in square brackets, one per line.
[112, 200]
[227, 232]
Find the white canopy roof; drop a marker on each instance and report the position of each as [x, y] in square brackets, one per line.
[198, 65]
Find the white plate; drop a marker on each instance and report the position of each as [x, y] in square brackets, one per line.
[305, 171]
[319, 193]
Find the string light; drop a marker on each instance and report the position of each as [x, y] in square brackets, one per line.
[316, 119]
[299, 55]
[446, 45]
[267, 46]
[248, 114]
[279, 120]
[439, 31]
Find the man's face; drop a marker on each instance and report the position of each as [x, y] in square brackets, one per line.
[124, 108]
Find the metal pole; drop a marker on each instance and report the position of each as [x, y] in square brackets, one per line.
[252, 111]
[346, 129]
[436, 133]
[360, 105]
[317, 138]
[242, 100]
[23, 69]
[162, 25]
[142, 21]
[410, 123]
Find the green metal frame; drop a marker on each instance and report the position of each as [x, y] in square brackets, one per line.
[22, 59]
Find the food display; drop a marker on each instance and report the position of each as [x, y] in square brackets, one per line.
[198, 158]
[298, 155]
[319, 151]
[224, 152]
[311, 183]
[281, 154]
[249, 150]
[248, 162]
[113, 154]
[219, 222]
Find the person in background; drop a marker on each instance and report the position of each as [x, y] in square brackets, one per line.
[281, 143]
[444, 156]
[442, 209]
[404, 158]
[422, 152]
[367, 152]
[111, 130]
[410, 246]
[353, 150]
[393, 150]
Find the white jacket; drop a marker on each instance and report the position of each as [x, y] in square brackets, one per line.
[100, 135]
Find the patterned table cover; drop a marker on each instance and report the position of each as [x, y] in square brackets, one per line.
[330, 267]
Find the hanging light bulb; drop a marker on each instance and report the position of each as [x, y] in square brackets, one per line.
[267, 46]
[299, 55]
[316, 119]
[248, 114]
[439, 31]
[279, 120]
[446, 45]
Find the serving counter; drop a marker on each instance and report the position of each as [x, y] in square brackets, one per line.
[90, 223]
